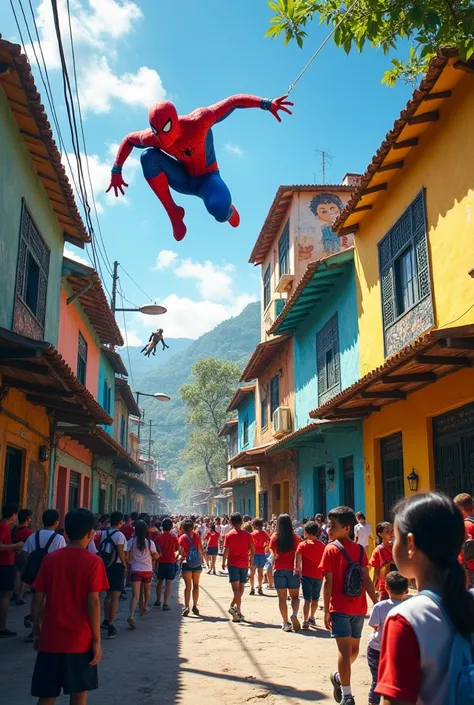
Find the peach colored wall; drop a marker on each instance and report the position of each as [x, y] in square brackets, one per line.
[72, 320]
[283, 361]
[75, 449]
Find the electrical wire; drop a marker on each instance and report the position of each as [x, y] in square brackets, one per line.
[137, 285]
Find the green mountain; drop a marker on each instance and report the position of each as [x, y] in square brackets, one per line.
[234, 340]
[141, 365]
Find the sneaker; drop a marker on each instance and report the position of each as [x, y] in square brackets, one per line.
[30, 638]
[260, 591]
[232, 611]
[348, 700]
[286, 627]
[252, 591]
[185, 612]
[111, 632]
[305, 625]
[28, 622]
[195, 611]
[295, 623]
[5, 633]
[157, 604]
[131, 623]
[105, 624]
[336, 684]
[241, 616]
[312, 621]
[166, 608]
[236, 618]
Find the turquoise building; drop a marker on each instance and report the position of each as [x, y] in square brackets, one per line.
[243, 479]
[321, 315]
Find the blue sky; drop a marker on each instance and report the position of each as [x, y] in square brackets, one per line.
[131, 54]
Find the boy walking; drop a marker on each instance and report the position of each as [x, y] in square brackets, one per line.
[21, 532]
[66, 616]
[307, 565]
[239, 551]
[346, 582]
[7, 565]
[362, 531]
[112, 551]
[167, 546]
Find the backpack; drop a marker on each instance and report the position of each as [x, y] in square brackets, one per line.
[468, 547]
[387, 567]
[193, 559]
[33, 563]
[353, 579]
[461, 664]
[109, 557]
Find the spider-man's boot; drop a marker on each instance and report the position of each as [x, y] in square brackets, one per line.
[160, 187]
[234, 219]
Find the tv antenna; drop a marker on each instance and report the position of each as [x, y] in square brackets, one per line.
[326, 159]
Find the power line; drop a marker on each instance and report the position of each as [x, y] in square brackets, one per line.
[137, 285]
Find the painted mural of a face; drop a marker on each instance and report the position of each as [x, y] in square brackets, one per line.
[328, 212]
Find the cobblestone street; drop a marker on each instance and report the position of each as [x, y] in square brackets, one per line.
[205, 659]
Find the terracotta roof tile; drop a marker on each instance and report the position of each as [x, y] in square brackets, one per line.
[239, 396]
[261, 356]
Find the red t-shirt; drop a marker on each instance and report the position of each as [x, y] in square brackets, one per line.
[381, 556]
[311, 554]
[184, 542]
[128, 531]
[212, 539]
[6, 557]
[399, 667]
[167, 545]
[67, 577]
[260, 539]
[20, 533]
[469, 526]
[334, 562]
[238, 542]
[286, 560]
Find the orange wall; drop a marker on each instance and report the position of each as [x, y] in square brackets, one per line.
[283, 361]
[71, 322]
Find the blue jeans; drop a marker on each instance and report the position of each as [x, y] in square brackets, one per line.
[344, 625]
[237, 575]
[373, 658]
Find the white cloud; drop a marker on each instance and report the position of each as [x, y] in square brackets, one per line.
[214, 282]
[96, 28]
[133, 338]
[74, 255]
[165, 259]
[234, 149]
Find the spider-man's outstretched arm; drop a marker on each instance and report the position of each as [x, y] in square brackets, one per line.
[134, 139]
[225, 107]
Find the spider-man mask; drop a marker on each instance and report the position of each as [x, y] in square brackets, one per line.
[164, 123]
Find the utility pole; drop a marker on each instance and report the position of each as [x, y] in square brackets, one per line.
[150, 442]
[113, 304]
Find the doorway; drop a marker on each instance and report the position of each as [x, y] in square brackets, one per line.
[12, 477]
[319, 490]
[74, 488]
[348, 482]
[263, 504]
[393, 489]
[276, 498]
[102, 500]
[453, 440]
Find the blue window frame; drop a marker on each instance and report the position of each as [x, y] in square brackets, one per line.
[284, 251]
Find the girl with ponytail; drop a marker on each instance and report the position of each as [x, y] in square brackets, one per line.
[418, 635]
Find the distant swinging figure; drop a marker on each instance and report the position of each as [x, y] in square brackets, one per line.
[153, 341]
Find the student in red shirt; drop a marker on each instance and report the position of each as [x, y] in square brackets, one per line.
[382, 558]
[283, 545]
[127, 528]
[239, 550]
[66, 616]
[167, 545]
[307, 562]
[7, 565]
[417, 641]
[261, 540]
[465, 504]
[192, 557]
[343, 614]
[212, 541]
[21, 532]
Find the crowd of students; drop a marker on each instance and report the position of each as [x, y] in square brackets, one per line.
[418, 650]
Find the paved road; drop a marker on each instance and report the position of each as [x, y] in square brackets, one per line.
[203, 660]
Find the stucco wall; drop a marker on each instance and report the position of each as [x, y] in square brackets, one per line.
[284, 362]
[247, 408]
[244, 498]
[19, 180]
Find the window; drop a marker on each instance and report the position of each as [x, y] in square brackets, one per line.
[264, 408]
[82, 360]
[327, 358]
[284, 250]
[274, 394]
[266, 288]
[107, 397]
[123, 432]
[31, 280]
[404, 264]
[74, 487]
[245, 430]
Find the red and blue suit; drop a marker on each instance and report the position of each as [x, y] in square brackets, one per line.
[178, 152]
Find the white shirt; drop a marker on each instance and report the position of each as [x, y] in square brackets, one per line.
[91, 547]
[118, 539]
[141, 561]
[44, 536]
[362, 533]
[225, 529]
[377, 620]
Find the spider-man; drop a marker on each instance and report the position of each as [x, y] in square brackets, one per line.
[178, 151]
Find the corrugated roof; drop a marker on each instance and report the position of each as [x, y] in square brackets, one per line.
[277, 213]
[16, 79]
[421, 110]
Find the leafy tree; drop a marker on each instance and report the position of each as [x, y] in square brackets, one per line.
[426, 24]
[205, 450]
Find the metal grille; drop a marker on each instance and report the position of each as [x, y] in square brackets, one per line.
[328, 360]
[385, 253]
[388, 298]
[391, 451]
[423, 266]
[453, 436]
[401, 233]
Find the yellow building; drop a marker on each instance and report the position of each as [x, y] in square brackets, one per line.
[413, 215]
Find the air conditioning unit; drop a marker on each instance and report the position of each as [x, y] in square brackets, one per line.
[281, 422]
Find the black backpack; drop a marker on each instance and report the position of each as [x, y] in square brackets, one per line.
[354, 577]
[109, 557]
[33, 563]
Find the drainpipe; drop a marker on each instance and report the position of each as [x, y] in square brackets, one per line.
[52, 461]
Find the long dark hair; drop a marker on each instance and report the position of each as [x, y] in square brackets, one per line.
[438, 531]
[141, 532]
[379, 530]
[285, 537]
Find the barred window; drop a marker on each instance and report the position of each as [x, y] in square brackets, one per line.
[33, 268]
[327, 358]
[284, 251]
